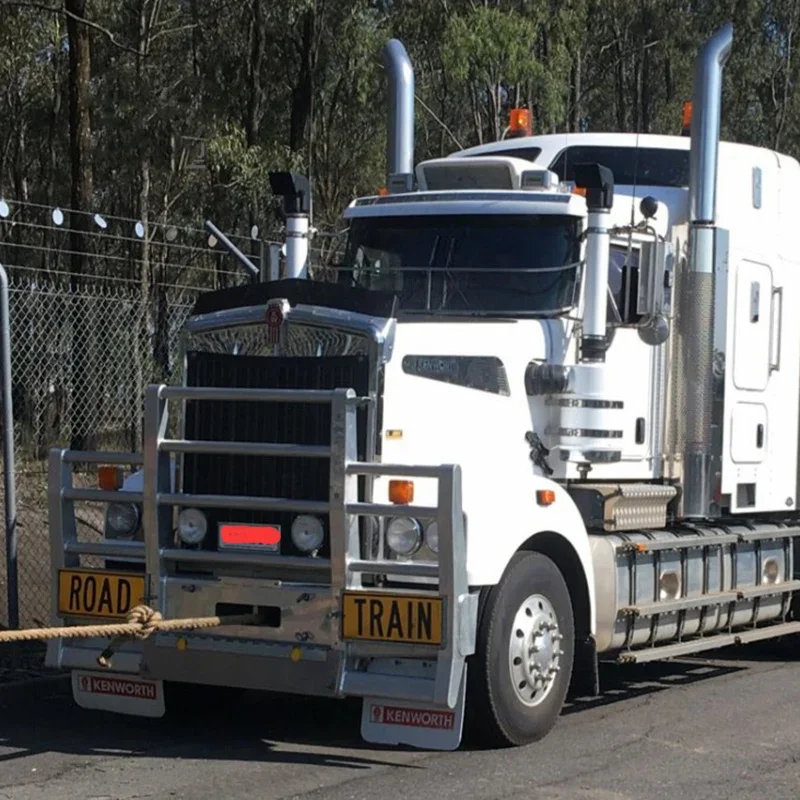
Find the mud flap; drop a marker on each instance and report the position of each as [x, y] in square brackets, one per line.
[395, 722]
[120, 694]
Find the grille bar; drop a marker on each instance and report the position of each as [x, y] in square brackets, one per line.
[245, 503]
[257, 395]
[245, 448]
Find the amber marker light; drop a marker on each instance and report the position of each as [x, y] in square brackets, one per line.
[545, 497]
[686, 118]
[520, 122]
[401, 493]
[109, 479]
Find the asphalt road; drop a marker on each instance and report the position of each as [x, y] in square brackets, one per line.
[708, 728]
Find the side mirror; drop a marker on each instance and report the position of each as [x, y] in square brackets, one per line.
[655, 278]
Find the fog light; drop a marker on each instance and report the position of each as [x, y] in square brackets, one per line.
[404, 536]
[670, 585]
[432, 536]
[192, 526]
[122, 520]
[308, 533]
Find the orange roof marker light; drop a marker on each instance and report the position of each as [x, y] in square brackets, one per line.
[520, 123]
[686, 118]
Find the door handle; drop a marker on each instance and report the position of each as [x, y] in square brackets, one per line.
[775, 332]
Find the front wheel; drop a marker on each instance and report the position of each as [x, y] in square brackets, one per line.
[524, 652]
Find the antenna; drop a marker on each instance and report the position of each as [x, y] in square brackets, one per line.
[635, 176]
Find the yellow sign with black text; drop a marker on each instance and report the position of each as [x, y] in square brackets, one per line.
[411, 619]
[94, 593]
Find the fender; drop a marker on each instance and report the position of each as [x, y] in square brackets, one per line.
[491, 545]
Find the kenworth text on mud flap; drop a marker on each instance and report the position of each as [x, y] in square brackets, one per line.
[546, 415]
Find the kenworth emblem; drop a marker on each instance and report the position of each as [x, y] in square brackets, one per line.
[275, 317]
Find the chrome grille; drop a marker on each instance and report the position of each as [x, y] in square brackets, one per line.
[257, 476]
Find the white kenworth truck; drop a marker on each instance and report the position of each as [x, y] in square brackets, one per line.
[546, 415]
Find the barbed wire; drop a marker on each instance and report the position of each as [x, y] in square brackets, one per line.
[67, 212]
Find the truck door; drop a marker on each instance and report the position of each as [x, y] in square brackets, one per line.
[755, 337]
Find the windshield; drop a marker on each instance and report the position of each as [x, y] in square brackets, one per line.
[490, 264]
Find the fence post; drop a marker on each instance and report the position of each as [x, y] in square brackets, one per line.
[8, 454]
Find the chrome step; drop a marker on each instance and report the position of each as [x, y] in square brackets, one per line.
[703, 601]
[711, 642]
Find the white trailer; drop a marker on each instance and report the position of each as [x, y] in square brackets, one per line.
[547, 416]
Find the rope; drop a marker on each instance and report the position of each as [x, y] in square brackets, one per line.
[140, 622]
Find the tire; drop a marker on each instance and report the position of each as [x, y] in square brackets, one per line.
[513, 701]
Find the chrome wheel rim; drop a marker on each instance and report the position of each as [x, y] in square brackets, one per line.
[534, 650]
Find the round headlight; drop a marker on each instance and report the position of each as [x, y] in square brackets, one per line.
[122, 520]
[192, 525]
[432, 536]
[308, 533]
[404, 536]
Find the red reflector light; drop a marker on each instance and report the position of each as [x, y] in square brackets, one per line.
[239, 535]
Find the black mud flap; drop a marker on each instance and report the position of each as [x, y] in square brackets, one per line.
[585, 672]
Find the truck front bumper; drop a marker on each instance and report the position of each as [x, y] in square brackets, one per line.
[303, 646]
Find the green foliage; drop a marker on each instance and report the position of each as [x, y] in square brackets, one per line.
[193, 102]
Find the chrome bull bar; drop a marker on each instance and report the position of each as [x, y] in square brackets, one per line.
[344, 569]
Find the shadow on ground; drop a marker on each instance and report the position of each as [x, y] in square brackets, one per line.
[290, 730]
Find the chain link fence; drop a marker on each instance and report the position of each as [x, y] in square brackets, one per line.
[94, 319]
[121, 353]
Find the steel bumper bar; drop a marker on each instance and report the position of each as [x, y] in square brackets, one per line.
[309, 632]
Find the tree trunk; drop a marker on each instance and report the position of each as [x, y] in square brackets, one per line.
[303, 91]
[577, 75]
[52, 139]
[80, 134]
[254, 90]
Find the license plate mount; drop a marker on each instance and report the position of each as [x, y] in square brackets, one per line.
[98, 594]
[400, 618]
[249, 536]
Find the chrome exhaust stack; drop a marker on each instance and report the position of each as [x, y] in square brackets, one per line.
[400, 133]
[706, 248]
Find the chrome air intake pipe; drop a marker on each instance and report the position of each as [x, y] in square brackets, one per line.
[700, 465]
[400, 134]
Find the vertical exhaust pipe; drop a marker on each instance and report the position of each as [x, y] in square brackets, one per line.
[705, 132]
[400, 138]
[698, 312]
